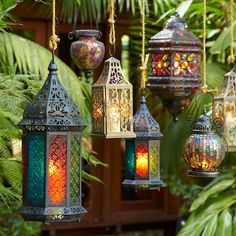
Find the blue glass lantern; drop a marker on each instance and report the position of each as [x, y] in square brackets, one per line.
[51, 155]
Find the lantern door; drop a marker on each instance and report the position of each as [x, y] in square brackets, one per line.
[154, 159]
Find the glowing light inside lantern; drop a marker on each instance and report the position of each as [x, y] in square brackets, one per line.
[57, 170]
[142, 161]
[114, 118]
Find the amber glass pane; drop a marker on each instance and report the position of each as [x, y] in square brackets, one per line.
[141, 161]
[57, 169]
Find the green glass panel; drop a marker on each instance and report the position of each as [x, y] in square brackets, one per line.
[130, 159]
[154, 157]
[35, 190]
[75, 171]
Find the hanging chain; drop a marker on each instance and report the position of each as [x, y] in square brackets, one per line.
[144, 58]
[231, 57]
[54, 39]
[111, 22]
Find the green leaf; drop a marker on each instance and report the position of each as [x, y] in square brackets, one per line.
[87, 177]
[224, 226]
[210, 227]
[234, 224]
[183, 7]
[217, 188]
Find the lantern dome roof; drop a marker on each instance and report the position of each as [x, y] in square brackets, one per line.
[203, 124]
[145, 126]
[52, 108]
[175, 32]
[112, 74]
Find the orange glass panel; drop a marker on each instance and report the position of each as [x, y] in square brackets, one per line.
[142, 161]
[57, 169]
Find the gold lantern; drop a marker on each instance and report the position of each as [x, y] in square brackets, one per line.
[112, 101]
[225, 108]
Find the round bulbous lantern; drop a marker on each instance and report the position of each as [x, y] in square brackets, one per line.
[175, 65]
[51, 160]
[204, 150]
[87, 52]
[142, 157]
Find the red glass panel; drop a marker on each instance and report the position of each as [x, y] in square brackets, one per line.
[57, 169]
[141, 161]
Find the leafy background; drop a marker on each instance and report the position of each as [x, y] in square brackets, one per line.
[212, 211]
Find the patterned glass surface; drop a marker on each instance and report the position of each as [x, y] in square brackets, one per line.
[154, 159]
[141, 160]
[75, 171]
[36, 169]
[130, 159]
[57, 169]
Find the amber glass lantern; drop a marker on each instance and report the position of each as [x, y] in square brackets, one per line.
[175, 65]
[112, 101]
[87, 52]
[143, 153]
[204, 150]
[51, 155]
[225, 108]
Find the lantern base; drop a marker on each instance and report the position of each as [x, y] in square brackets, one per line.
[143, 184]
[115, 135]
[202, 174]
[52, 214]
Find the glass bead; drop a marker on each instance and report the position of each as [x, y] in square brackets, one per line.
[159, 72]
[190, 57]
[177, 71]
[184, 56]
[165, 72]
[165, 57]
[177, 57]
[153, 65]
[154, 72]
[191, 65]
[190, 72]
[176, 64]
[159, 57]
[183, 72]
[154, 57]
[159, 65]
[166, 64]
[184, 64]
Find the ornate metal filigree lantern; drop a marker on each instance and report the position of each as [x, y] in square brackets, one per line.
[112, 101]
[204, 150]
[175, 65]
[51, 155]
[143, 153]
[87, 52]
[225, 108]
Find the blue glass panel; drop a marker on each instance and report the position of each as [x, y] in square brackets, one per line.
[36, 169]
[130, 159]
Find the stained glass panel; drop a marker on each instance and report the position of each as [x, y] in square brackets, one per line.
[141, 160]
[57, 169]
[154, 159]
[130, 160]
[75, 170]
[36, 169]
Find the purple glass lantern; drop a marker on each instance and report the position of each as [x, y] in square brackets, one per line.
[175, 65]
[87, 52]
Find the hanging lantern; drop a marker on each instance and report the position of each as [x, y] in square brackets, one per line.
[204, 150]
[112, 101]
[51, 155]
[143, 153]
[175, 65]
[225, 108]
[87, 53]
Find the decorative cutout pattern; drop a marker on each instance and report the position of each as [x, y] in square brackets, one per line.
[154, 158]
[57, 169]
[75, 171]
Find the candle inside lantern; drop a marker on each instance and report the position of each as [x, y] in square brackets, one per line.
[114, 118]
[142, 161]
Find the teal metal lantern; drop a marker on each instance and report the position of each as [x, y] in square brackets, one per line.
[51, 155]
[142, 158]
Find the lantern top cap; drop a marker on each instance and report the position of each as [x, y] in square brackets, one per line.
[88, 33]
[231, 73]
[176, 23]
[112, 74]
[203, 123]
[145, 126]
[52, 108]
